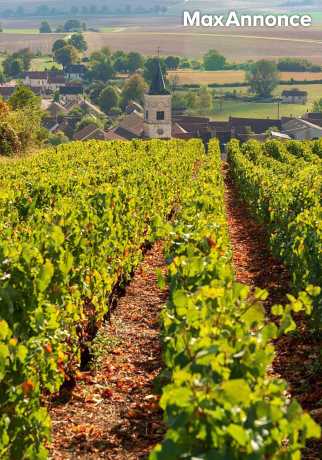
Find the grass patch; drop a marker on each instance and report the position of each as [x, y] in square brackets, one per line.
[107, 29]
[43, 63]
[21, 31]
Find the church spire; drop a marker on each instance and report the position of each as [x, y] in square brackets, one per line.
[157, 87]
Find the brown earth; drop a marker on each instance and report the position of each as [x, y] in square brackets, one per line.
[297, 355]
[113, 411]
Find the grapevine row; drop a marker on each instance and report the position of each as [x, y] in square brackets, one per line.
[219, 402]
[289, 204]
[73, 226]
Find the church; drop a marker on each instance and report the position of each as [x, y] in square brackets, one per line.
[156, 121]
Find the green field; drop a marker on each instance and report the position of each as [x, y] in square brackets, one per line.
[21, 31]
[107, 29]
[236, 108]
[43, 63]
[39, 63]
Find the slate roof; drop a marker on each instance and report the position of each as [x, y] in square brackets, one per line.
[294, 92]
[157, 87]
[76, 68]
[257, 125]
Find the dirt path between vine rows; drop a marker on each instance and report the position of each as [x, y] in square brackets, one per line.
[113, 411]
[296, 355]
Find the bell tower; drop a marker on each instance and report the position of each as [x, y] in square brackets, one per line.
[157, 108]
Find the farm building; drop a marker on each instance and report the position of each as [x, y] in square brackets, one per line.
[294, 96]
[300, 129]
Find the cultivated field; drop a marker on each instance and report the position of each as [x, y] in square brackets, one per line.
[189, 77]
[236, 46]
[10, 42]
[146, 34]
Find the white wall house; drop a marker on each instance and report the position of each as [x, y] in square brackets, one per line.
[294, 96]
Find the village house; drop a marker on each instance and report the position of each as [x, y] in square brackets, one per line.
[75, 71]
[300, 129]
[294, 96]
[55, 82]
[90, 131]
[36, 79]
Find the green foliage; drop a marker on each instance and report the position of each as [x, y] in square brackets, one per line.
[89, 120]
[66, 55]
[108, 99]
[101, 67]
[78, 42]
[9, 140]
[204, 100]
[135, 61]
[133, 90]
[57, 138]
[66, 240]
[45, 28]
[219, 402]
[73, 25]
[172, 62]
[263, 77]
[282, 184]
[17, 63]
[317, 105]
[60, 43]
[297, 65]
[23, 97]
[214, 60]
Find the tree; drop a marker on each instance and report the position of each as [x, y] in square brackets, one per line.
[60, 43]
[214, 60]
[66, 55]
[16, 63]
[78, 41]
[150, 68]
[94, 90]
[133, 90]
[101, 66]
[135, 61]
[191, 99]
[172, 62]
[26, 57]
[108, 99]
[204, 98]
[23, 97]
[45, 28]
[72, 25]
[12, 67]
[317, 105]
[57, 138]
[263, 77]
[89, 120]
[120, 64]
[9, 140]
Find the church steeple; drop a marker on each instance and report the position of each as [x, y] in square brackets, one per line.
[157, 87]
[157, 105]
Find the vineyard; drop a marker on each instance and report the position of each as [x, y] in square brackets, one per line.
[76, 224]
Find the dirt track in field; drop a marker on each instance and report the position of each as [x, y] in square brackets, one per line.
[113, 412]
[297, 355]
